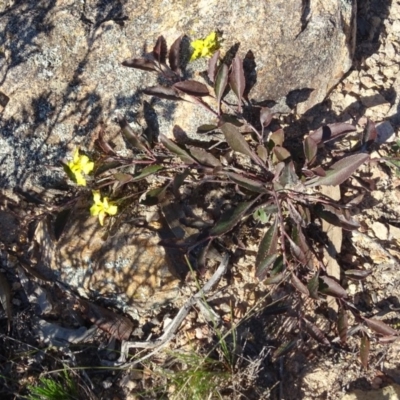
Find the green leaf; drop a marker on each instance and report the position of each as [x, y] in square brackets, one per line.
[313, 285]
[231, 218]
[261, 216]
[267, 250]
[281, 153]
[175, 149]
[150, 170]
[340, 171]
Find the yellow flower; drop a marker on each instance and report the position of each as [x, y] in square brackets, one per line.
[205, 47]
[102, 207]
[79, 164]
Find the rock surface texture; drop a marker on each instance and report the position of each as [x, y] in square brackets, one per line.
[60, 65]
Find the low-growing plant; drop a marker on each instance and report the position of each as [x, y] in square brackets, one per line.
[273, 185]
[59, 388]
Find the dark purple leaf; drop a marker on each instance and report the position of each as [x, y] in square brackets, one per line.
[250, 184]
[380, 327]
[175, 149]
[178, 181]
[220, 84]
[204, 157]
[331, 131]
[5, 298]
[192, 88]
[212, 66]
[319, 171]
[201, 258]
[154, 196]
[355, 201]
[236, 140]
[265, 117]
[310, 149]
[315, 332]
[357, 274]
[160, 50]
[60, 222]
[284, 349]
[288, 176]
[130, 135]
[340, 171]
[342, 325]
[299, 285]
[330, 287]
[370, 134]
[206, 128]
[335, 217]
[174, 55]
[275, 279]
[162, 92]
[230, 119]
[364, 351]
[140, 63]
[237, 80]
[231, 218]
[104, 146]
[267, 251]
[388, 339]
[297, 252]
[116, 325]
[299, 238]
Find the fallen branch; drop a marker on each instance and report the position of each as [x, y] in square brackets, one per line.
[165, 338]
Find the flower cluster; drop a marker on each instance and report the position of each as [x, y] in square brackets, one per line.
[80, 165]
[102, 208]
[205, 47]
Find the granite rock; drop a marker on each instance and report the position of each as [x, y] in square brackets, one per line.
[60, 66]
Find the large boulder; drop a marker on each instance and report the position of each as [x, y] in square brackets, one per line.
[60, 65]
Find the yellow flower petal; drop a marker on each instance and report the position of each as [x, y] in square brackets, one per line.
[102, 215]
[80, 180]
[112, 209]
[96, 197]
